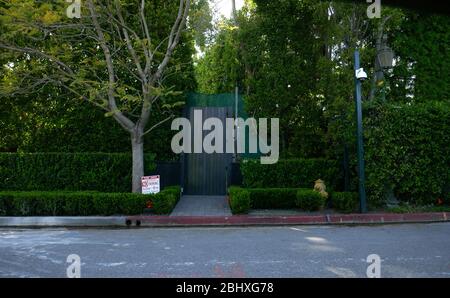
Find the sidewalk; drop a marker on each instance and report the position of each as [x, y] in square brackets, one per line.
[62, 221]
[221, 221]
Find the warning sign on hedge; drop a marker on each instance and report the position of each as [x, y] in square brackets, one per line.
[150, 184]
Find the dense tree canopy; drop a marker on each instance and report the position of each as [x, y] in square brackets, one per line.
[38, 115]
[293, 59]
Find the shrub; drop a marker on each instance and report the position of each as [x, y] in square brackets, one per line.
[33, 203]
[5, 204]
[56, 203]
[309, 200]
[272, 198]
[239, 200]
[408, 208]
[165, 201]
[80, 203]
[290, 173]
[345, 201]
[106, 203]
[174, 189]
[407, 151]
[105, 172]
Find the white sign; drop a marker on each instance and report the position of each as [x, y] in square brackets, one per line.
[150, 184]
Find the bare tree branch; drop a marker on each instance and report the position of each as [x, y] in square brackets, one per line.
[31, 51]
[147, 50]
[174, 36]
[130, 46]
[124, 121]
[158, 124]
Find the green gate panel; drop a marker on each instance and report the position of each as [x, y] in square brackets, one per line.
[208, 174]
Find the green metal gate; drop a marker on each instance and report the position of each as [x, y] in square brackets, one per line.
[203, 173]
[206, 174]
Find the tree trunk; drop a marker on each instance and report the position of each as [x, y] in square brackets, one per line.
[137, 147]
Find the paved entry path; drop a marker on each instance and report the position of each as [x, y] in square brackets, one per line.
[202, 205]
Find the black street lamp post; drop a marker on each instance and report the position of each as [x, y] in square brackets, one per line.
[385, 60]
[360, 76]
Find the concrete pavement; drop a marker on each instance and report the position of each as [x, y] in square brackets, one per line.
[202, 206]
[62, 221]
[177, 220]
[408, 250]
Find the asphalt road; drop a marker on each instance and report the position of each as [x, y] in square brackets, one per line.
[412, 250]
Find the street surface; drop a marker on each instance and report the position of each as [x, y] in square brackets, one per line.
[409, 250]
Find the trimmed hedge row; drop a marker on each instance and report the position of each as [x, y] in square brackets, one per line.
[290, 173]
[65, 203]
[104, 172]
[309, 200]
[243, 199]
[273, 198]
[240, 201]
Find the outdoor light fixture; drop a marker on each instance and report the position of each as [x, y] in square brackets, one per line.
[385, 60]
[385, 57]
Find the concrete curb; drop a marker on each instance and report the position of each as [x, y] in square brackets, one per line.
[221, 221]
[327, 219]
[62, 221]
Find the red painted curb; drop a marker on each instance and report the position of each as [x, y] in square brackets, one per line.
[239, 220]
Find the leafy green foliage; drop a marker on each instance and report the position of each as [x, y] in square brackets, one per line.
[423, 70]
[165, 201]
[281, 54]
[200, 20]
[290, 173]
[66, 203]
[273, 198]
[44, 109]
[68, 171]
[70, 203]
[408, 152]
[293, 61]
[219, 70]
[345, 201]
[240, 201]
[309, 200]
[408, 208]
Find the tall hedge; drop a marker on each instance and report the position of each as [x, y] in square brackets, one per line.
[105, 172]
[292, 173]
[408, 152]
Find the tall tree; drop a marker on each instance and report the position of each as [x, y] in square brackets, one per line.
[114, 57]
[273, 53]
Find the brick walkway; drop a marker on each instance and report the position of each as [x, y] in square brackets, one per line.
[202, 206]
